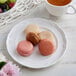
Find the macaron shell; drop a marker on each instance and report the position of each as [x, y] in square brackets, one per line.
[32, 28]
[25, 54]
[33, 38]
[46, 47]
[25, 48]
[46, 35]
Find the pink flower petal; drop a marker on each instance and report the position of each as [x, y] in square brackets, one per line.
[2, 73]
[10, 69]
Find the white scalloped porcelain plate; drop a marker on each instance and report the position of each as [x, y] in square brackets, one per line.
[36, 60]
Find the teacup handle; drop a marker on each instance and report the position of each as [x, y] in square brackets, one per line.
[72, 6]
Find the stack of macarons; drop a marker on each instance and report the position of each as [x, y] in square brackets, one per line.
[34, 36]
[6, 5]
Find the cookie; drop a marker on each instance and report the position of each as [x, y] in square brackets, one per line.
[25, 48]
[46, 47]
[33, 38]
[32, 28]
[46, 35]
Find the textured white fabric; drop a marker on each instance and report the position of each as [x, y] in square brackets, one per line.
[22, 7]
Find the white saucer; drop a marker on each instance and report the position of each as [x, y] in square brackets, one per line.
[36, 60]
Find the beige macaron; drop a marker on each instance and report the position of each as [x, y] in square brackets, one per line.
[32, 28]
[46, 35]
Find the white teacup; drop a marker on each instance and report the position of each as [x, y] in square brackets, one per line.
[58, 10]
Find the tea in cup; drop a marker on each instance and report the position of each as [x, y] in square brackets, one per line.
[58, 7]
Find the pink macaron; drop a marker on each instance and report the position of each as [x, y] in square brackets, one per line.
[25, 48]
[46, 47]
